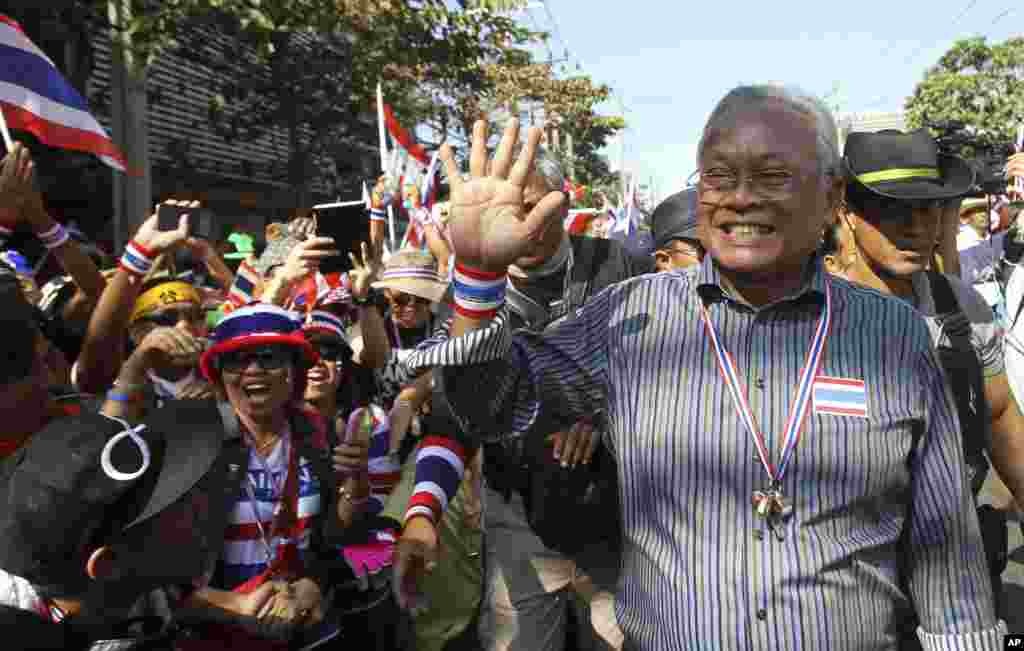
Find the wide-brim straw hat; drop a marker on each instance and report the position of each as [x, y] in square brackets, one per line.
[413, 272]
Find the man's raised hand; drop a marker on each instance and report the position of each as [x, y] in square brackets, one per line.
[489, 228]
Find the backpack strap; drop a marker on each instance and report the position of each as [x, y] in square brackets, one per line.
[964, 375]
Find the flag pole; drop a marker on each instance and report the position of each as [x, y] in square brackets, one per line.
[383, 142]
[7, 134]
[381, 134]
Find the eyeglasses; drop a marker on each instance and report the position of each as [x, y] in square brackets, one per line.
[768, 183]
[401, 300]
[268, 358]
[173, 316]
[329, 350]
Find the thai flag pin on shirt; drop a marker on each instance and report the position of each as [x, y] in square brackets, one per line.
[840, 397]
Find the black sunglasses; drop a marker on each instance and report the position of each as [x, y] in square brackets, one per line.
[268, 358]
[401, 300]
[173, 316]
[329, 350]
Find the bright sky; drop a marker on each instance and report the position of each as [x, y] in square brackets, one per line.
[670, 61]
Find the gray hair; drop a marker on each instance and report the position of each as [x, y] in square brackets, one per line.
[546, 167]
[793, 98]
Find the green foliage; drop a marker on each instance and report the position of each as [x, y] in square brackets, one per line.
[976, 83]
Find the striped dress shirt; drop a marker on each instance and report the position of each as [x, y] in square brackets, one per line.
[883, 523]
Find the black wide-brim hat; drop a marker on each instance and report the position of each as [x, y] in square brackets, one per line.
[88, 474]
[906, 166]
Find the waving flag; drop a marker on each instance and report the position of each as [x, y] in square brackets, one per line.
[403, 138]
[626, 218]
[35, 97]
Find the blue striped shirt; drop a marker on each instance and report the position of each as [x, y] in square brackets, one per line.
[883, 524]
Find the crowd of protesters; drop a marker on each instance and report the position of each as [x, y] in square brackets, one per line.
[768, 431]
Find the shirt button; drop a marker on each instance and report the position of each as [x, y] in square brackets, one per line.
[762, 614]
[758, 534]
[759, 383]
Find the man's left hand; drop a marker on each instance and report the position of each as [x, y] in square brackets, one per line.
[575, 446]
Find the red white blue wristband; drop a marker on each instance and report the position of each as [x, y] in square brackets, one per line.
[478, 294]
[377, 215]
[137, 260]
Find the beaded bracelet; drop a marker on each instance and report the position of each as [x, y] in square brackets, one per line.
[54, 237]
[478, 294]
[137, 260]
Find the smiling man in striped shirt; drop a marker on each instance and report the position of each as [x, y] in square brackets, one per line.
[788, 454]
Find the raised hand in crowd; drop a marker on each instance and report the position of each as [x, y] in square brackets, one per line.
[575, 446]
[205, 251]
[302, 228]
[383, 192]
[491, 226]
[365, 270]
[103, 350]
[156, 241]
[21, 203]
[351, 460]
[353, 453]
[18, 194]
[303, 259]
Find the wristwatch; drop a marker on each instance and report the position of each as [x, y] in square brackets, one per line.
[372, 298]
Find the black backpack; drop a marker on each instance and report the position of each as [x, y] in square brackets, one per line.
[567, 508]
[963, 372]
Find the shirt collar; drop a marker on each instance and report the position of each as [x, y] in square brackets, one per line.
[711, 287]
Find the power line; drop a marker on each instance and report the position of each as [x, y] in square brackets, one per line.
[913, 55]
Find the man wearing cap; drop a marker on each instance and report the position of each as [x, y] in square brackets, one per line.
[974, 222]
[676, 242]
[897, 183]
[789, 459]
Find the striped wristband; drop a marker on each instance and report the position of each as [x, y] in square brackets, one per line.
[478, 294]
[137, 260]
[53, 237]
[377, 215]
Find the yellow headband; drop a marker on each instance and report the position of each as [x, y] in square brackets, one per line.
[174, 291]
[899, 175]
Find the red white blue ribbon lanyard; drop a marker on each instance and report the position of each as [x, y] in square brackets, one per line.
[770, 502]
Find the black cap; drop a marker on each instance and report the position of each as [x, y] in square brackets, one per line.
[83, 481]
[675, 218]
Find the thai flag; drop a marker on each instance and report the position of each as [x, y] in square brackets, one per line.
[626, 218]
[36, 98]
[403, 139]
[840, 397]
[245, 289]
